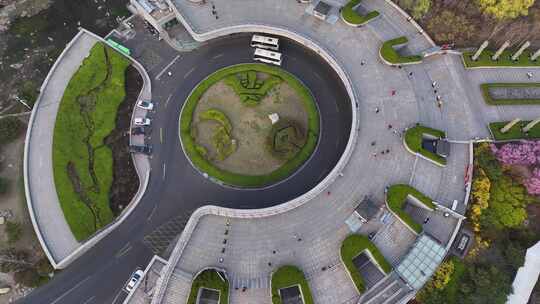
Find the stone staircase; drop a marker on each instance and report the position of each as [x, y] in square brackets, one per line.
[178, 287]
[256, 288]
[390, 290]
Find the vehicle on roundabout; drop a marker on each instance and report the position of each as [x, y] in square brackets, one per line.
[135, 277]
[142, 121]
[145, 104]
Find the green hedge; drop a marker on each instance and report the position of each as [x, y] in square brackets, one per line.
[287, 276]
[390, 54]
[105, 94]
[209, 279]
[515, 132]
[413, 140]
[504, 60]
[351, 247]
[396, 198]
[513, 101]
[351, 16]
[249, 180]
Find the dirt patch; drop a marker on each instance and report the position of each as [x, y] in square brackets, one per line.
[125, 179]
[251, 126]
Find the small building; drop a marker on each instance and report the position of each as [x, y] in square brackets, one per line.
[291, 295]
[438, 146]
[321, 10]
[366, 210]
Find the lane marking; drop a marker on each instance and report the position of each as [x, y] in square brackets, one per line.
[70, 290]
[167, 101]
[152, 213]
[167, 67]
[164, 171]
[161, 135]
[117, 295]
[123, 251]
[189, 72]
[89, 300]
[217, 56]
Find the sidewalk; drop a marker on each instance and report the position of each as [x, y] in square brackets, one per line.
[47, 216]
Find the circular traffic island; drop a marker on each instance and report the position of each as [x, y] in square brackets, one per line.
[249, 125]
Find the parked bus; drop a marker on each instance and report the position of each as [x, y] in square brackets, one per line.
[267, 56]
[119, 47]
[264, 42]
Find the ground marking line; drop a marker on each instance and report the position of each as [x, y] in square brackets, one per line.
[152, 213]
[189, 72]
[123, 251]
[161, 135]
[70, 290]
[164, 171]
[167, 101]
[89, 300]
[167, 67]
[117, 295]
[217, 56]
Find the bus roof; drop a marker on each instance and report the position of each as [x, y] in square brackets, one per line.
[264, 39]
[269, 54]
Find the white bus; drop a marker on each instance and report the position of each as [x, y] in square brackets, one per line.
[267, 56]
[265, 42]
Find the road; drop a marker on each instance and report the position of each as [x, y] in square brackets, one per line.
[176, 189]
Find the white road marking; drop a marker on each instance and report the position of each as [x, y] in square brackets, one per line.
[167, 101]
[217, 56]
[70, 290]
[164, 171]
[161, 135]
[189, 72]
[151, 213]
[123, 251]
[167, 67]
[117, 295]
[89, 300]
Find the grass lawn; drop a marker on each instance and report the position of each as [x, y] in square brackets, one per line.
[212, 280]
[351, 16]
[287, 276]
[513, 101]
[396, 198]
[86, 115]
[515, 132]
[390, 54]
[249, 180]
[351, 247]
[504, 60]
[413, 140]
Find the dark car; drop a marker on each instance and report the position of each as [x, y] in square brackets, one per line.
[144, 149]
[138, 131]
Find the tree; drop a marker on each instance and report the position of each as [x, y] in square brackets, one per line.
[461, 27]
[27, 277]
[505, 9]
[418, 8]
[480, 198]
[13, 260]
[506, 206]
[485, 284]
[514, 255]
[10, 129]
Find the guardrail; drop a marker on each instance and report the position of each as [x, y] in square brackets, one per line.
[299, 201]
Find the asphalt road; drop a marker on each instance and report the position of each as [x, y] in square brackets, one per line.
[175, 188]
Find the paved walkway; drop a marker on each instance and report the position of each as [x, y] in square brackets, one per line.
[49, 218]
[250, 245]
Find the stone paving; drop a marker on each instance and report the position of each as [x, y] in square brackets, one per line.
[310, 236]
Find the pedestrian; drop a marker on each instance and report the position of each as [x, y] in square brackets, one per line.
[433, 84]
[377, 109]
[382, 152]
[387, 151]
[374, 154]
[389, 126]
[434, 91]
[328, 193]
[373, 143]
[426, 220]
[395, 131]
[363, 62]
[269, 264]
[410, 74]
[529, 75]
[438, 97]
[393, 92]
[341, 174]
[169, 73]
[439, 104]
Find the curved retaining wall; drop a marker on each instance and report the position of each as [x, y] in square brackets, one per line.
[299, 201]
[142, 167]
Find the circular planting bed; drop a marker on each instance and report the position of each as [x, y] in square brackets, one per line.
[249, 125]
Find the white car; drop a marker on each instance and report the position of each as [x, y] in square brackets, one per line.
[135, 277]
[142, 121]
[145, 104]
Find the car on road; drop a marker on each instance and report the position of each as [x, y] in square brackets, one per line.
[135, 277]
[142, 121]
[145, 104]
[138, 131]
[144, 149]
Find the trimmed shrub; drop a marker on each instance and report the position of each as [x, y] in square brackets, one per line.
[390, 55]
[351, 16]
[396, 198]
[287, 276]
[413, 140]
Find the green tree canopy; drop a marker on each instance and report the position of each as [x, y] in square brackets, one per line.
[505, 9]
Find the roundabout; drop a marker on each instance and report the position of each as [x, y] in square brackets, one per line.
[249, 125]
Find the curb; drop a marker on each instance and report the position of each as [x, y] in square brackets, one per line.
[395, 64]
[420, 155]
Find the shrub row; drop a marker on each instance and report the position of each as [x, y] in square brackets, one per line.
[351, 16]
[510, 101]
[396, 198]
[390, 55]
[351, 247]
[504, 60]
[515, 132]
